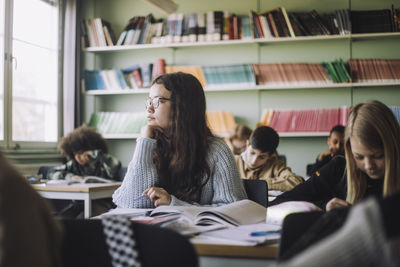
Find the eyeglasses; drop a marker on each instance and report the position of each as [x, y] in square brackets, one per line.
[155, 102]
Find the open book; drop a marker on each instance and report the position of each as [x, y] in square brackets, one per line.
[77, 180]
[234, 214]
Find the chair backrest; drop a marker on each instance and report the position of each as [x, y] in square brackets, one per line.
[122, 173]
[257, 191]
[84, 245]
[43, 170]
[293, 226]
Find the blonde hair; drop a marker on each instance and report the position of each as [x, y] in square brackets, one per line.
[375, 126]
[241, 132]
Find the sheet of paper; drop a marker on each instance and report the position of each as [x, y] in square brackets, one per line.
[251, 234]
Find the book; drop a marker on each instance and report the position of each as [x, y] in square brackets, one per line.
[277, 213]
[79, 180]
[241, 212]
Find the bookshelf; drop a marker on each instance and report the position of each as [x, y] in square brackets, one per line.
[260, 41]
[228, 88]
[246, 102]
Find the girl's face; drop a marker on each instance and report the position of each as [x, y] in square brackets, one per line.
[370, 161]
[83, 158]
[239, 146]
[159, 108]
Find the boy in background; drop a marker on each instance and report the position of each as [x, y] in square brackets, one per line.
[87, 155]
[335, 147]
[261, 161]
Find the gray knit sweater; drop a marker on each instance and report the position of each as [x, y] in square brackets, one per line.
[223, 187]
[360, 242]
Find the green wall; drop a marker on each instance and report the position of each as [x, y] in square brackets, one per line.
[246, 105]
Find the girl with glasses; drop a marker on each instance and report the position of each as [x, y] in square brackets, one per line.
[177, 160]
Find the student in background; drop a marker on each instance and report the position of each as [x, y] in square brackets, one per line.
[260, 161]
[371, 167]
[177, 160]
[237, 140]
[29, 235]
[87, 155]
[335, 147]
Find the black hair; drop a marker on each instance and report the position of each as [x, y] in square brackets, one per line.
[82, 139]
[337, 128]
[265, 139]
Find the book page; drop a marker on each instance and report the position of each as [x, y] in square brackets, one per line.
[190, 212]
[237, 213]
[252, 234]
[96, 179]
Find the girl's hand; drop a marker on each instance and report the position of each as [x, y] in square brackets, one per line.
[151, 131]
[336, 203]
[158, 195]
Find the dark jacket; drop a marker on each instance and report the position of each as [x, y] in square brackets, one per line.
[311, 168]
[329, 182]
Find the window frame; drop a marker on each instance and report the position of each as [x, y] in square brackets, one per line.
[8, 144]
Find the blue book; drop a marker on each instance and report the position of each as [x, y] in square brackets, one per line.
[93, 80]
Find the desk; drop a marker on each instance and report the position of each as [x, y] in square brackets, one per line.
[85, 192]
[224, 253]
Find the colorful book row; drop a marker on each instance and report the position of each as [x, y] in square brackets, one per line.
[306, 120]
[338, 71]
[118, 122]
[223, 25]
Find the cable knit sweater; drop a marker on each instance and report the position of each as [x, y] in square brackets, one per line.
[223, 187]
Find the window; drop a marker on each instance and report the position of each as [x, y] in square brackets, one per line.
[30, 41]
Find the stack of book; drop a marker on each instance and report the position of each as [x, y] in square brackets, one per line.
[239, 74]
[337, 71]
[307, 120]
[194, 70]
[133, 77]
[220, 122]
[272, 23]
[270, 74]
[222, 25]
[118, 122]
[369, 21]
[290, 74]
[97, 32]
[375, 70]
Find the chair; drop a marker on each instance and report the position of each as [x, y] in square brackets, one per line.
[294, 225]
[84, 244]
[257, 191]
[122, 173]
[43, 170]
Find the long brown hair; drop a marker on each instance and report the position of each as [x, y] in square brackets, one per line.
[375, 126]
[180, 156]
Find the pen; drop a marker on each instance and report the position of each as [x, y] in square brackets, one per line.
[139, 197]
[264, 233]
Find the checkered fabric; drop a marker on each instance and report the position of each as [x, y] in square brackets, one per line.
[120, 241]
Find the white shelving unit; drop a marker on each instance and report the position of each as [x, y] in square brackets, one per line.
[260, 41]
[235, 87]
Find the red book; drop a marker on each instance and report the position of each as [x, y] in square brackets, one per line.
[137, 77]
